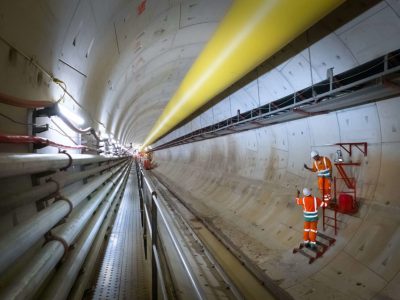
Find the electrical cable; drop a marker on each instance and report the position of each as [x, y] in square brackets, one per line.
[57, 81]
[311, 69]
[17, 122]
[356, 74]
[59, 130]
[63, 86]
[19, 102]
[65, 134]
[63, 96]
[344, 78]
[281, 105]
[32, 124]
[42, 142]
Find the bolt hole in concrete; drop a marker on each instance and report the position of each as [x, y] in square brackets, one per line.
[360, 284]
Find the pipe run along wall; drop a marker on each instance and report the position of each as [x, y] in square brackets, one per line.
[27, 163]
[244, 184]
[59, 180]
[28, 281]
[23, 236]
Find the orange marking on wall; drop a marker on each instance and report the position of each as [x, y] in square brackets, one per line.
[141, 7]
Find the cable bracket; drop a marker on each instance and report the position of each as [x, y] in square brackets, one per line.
[70, 160]
[49, 236]
[57, 191]
[62, 198]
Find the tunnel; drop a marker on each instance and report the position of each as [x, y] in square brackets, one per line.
[164, 149]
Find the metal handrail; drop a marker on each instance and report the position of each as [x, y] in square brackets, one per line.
[160, 274]
[153, 229]
[182, 256]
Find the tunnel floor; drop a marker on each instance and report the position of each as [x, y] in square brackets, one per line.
[123, 274]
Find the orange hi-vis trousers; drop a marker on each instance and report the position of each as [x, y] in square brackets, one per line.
[310, 232]
[324, 186]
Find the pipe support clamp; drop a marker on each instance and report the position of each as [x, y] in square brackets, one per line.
[62, 198]
[70, 161]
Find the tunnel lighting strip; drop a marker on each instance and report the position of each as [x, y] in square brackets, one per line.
[256, 121]
[55, 80]
[69, 114]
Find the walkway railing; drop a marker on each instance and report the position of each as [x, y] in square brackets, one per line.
[153, 216]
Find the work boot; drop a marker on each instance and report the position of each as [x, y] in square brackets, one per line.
[313, 246]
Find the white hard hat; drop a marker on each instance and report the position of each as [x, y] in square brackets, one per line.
[314, 153]
[306, 192]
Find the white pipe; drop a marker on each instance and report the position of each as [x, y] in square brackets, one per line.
[61, 283]
[19, 239]
[19, 164]
[35, 273]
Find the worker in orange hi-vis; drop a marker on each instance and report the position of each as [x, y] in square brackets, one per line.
[310, 210]
[148, 160]
[323, 166]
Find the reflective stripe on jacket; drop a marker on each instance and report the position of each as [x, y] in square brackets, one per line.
[310, 207]
[323, 167]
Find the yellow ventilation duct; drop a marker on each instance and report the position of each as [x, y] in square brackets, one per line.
[251, 32]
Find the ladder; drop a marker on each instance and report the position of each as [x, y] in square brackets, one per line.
[349, 182]
[323, 244]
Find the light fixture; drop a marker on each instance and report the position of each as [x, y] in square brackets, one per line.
[105, 136]
[70, 115]
[103, 133]
[339, 156]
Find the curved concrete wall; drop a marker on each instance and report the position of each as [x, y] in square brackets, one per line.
[244, 184]
[122, 66]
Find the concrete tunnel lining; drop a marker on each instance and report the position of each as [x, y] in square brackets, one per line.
[243, 183]
[227, 182]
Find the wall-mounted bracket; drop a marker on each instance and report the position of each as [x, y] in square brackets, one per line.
[348, 147]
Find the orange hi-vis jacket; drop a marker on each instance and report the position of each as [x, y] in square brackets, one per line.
[323, 167]
[310, 207]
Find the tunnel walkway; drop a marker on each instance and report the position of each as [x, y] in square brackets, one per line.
[123, 274]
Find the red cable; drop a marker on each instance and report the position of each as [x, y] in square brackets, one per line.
[24, 139]
[11, 100]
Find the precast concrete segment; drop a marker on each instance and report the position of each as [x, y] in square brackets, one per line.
[20, 164]
[250, 32]
[122, 274]
[244, 185]
[61, 283]
[45, 189]
[24, 235]
[30, 279]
